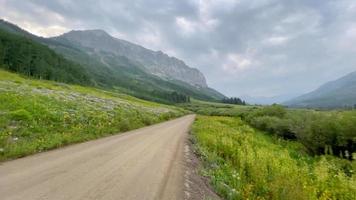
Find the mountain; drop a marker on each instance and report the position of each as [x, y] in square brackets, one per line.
[9, 27]
[263, 100]
[119, 71]
[334, 94]
[154, 62]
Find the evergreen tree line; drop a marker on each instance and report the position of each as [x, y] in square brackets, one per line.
[179, 98]
[233, 100]
[22, 55]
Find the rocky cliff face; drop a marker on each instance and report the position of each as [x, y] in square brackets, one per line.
[154, 62]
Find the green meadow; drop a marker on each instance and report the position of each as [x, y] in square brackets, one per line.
[37, 115]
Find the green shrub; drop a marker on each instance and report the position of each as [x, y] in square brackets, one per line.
[274, 110]
[278, 126]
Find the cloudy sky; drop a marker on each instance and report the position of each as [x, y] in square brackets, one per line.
[244, 47]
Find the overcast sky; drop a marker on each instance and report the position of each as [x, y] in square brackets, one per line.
[244, 47]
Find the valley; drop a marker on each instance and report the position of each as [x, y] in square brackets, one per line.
[86, 115]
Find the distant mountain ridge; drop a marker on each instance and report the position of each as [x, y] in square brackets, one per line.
[153, 62]
[334, 94]
[263, 100]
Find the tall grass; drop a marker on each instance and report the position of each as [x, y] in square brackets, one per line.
[247, 164]
[40, 115]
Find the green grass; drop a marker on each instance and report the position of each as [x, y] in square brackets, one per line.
[243, 163]
[39, 115]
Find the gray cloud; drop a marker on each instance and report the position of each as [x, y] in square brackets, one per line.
[255, 47]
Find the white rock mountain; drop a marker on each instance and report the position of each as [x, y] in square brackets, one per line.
[153, 62]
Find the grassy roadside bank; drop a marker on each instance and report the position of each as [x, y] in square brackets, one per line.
[243, 163]
[38, 115]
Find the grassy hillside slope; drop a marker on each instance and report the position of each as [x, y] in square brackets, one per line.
[39, 115]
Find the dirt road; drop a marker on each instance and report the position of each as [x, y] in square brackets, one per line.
[143, 164]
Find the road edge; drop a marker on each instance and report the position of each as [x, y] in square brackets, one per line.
[197, 186]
